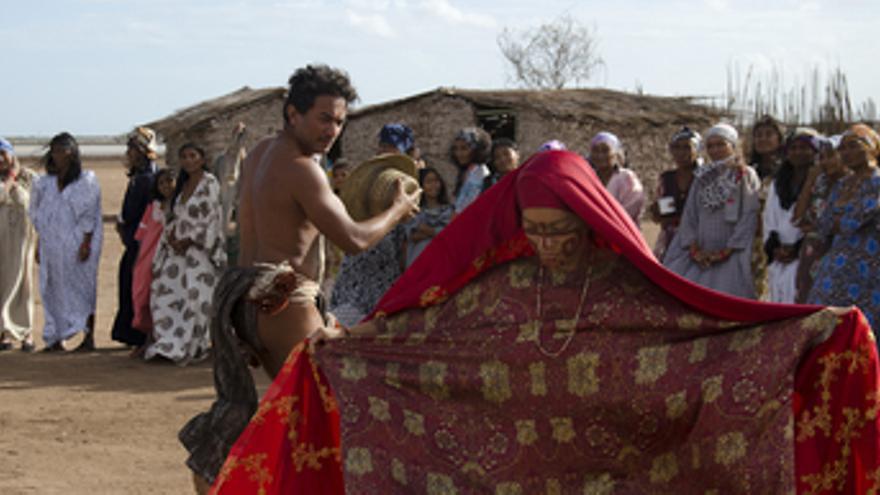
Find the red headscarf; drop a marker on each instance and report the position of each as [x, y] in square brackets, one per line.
[489, 233]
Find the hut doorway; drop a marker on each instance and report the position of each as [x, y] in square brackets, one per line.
[498, 122]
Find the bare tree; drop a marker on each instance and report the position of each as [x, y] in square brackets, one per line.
[551, 56]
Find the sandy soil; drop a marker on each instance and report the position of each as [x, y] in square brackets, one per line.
[101, 422]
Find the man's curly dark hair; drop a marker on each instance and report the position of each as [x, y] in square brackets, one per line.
[312, 81]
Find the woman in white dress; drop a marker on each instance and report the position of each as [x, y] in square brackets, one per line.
[188, 262]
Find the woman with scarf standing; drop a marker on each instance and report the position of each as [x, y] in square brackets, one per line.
[811, 203]
[188, 262]
[713, 246]
[673, 186]
[606, 157]
[782, 238]
[140, 157]
[66, 211]
[16, 252]
[470, 152]
[849, 273]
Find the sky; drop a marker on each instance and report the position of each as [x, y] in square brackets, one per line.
[103, 66]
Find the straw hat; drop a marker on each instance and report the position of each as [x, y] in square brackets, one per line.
[370, 188]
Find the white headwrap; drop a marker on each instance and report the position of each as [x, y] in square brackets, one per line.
[607, 138]
[724, 131]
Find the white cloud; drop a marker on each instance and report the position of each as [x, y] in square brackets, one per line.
[371, 23]
[448, 12]
[717, 5]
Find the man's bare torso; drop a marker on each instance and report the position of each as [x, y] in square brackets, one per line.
[274, 226]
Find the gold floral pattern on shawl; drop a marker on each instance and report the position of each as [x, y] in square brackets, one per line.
[354, 369]
[398, 471]
[495, 376]
[521, 275]
[304, 454]
[440, 484]
[811, 422]
[529, 331]
[602, 484]
[676, 404]
[394, 325]
[730, 448]
[690, 321]
[746, 339]
[433, 295]
[538, 381]
[526, 433]
[280, 406]
[253, 465]
[563, 429]
[432, 378]
[553, 487]
[413, 422]
[358, 461]
[664, 468]
[379, 409]
[392, 374]
[712, 388]
[431, 315]
[582, 378]
[508, 488]
[467, 300]
[652, 364]
[698, 350]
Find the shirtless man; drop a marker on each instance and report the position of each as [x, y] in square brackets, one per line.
[286, 201]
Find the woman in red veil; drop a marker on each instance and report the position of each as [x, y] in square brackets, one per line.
[536, 346]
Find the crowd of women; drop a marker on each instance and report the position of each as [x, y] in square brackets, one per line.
[169, 226]
[794, 219]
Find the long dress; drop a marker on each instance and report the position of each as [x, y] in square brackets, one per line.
[148, 235]
[183, 285]
[721, 212]
[17, 243]
[667, 187]
[68, 286]
[625, 186]
[364, 277]
[776, 219]
[628, 379]
[436, 218]
[849, 273]
[471, 185]
[138, 195]
[814, 245]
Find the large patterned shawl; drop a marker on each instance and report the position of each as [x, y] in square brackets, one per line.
[657, 386]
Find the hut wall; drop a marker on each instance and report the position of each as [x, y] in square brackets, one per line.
[262, 119]
[434, 119]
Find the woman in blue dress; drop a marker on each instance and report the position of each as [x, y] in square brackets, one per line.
[849, 273]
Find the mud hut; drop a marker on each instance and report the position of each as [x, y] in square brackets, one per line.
[644, 123]
[210, 123]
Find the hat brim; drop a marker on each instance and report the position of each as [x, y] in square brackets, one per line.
[355, 191]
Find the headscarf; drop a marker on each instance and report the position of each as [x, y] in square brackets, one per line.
[7, 146]
[866, 135]
[553, 144]
[470, 135]
[144, 139]
[724, 131]
[469, 246]
[685, 133]
[608, 138]
[398, 135]
[803, 134]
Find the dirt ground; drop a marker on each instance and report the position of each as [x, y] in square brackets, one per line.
[101, 422]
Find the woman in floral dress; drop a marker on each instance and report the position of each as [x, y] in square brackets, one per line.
[187, 264]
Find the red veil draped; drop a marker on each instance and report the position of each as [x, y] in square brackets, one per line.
[293, 443]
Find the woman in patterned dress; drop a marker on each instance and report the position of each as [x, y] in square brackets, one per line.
[66, 211]
[713, 246]
[849, 273]
[17, 244]
[187, 264]
[435, 214]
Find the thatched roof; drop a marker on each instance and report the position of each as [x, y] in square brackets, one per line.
[203, 113]
[577, 105]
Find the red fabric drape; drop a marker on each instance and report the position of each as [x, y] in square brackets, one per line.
[836, 391]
